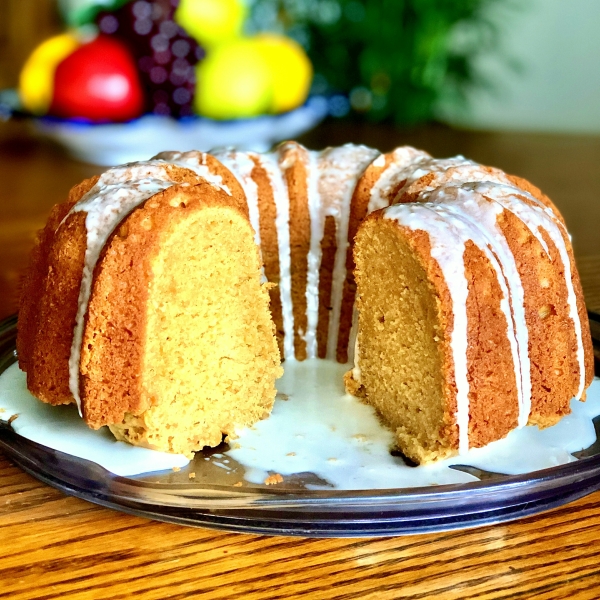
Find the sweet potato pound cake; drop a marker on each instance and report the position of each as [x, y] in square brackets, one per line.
[175, 345]
[163, 295]
[471, 315]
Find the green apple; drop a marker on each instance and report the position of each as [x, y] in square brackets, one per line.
[211, 22]
[291, 70]
[234, 81]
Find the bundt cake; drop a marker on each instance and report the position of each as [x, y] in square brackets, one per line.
[497, 332]
[144, 305]
[450, 287]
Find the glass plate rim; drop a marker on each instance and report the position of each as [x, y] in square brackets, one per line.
[399, 505]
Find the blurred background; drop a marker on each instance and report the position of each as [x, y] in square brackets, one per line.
[88, 83]
[501, 64]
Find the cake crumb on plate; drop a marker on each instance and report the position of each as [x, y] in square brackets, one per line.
[273, 479]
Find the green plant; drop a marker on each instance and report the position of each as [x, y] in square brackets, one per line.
[393, 60]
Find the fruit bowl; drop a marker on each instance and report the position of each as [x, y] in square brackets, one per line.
[116, 143]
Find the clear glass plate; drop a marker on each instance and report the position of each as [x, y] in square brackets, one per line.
[209, 500]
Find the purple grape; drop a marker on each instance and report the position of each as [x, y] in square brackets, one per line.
[166, 55]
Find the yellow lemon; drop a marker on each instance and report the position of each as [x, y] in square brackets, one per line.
[211, 22]
[290, 67]
[233, 81]
[36, 81]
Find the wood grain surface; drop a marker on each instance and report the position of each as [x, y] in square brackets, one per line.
[54, 546]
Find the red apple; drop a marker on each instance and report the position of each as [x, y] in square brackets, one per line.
[98, 81]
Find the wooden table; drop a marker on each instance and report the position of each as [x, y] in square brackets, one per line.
[53, 546]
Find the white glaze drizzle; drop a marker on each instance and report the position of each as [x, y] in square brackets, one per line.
[447, 171]
[195, 161]
[402, 158]
[270, 163]
[379, 161]
[317, 225]
[448, 237]
[111, 199]
[242, 165]
[441, 170]
[480, 216]
[341, 168]
[537, 216]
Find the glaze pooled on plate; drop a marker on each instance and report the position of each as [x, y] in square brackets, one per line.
[315, 427]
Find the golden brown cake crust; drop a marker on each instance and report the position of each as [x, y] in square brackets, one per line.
[49, 302]
[49, 380]
[293, 159]
[358, 211]
[269, 244]
[546, 307]
[553, 381]
[328, 251]
[34, 281]
[493, 397]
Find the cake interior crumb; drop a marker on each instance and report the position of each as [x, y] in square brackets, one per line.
[399, 358]
[210, 355]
